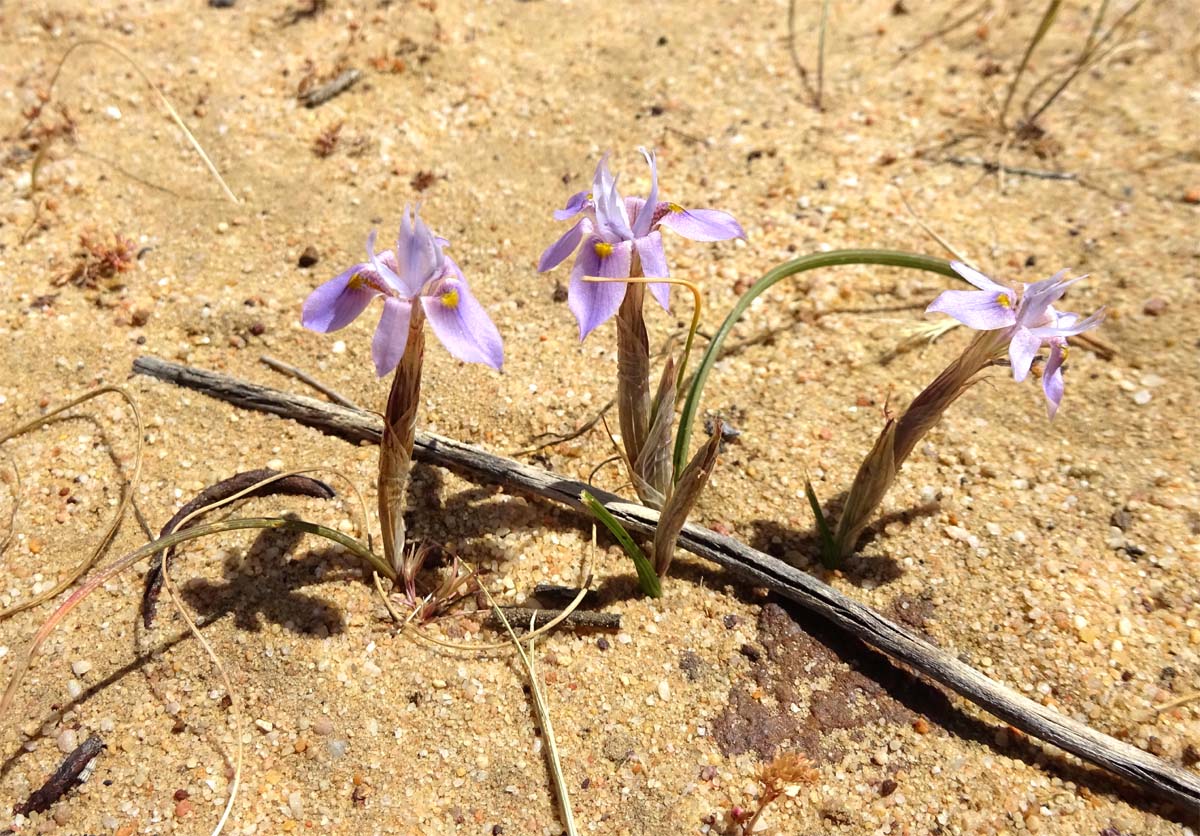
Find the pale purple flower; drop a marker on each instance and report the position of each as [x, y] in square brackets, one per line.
[610, 230]
[416, 269]
[1028, 320]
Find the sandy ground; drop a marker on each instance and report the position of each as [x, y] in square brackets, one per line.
[1059, 558]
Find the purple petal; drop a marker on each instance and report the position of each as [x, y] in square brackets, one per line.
[564, 246]
[641, 224]
[391, 335]
[594, 302]
[1037, 299]
[700, 224]
[386, 269]
[1021, 351]
[1069, 325]
[578, 202]
[654, 266]
[978, 309]
[979, 280]
[336, 303]
[418, 253]
[1052, 377]
[611, 215]
[462, 324]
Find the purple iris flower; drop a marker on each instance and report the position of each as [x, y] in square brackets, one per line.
[416, 269]
[1027, 320]
[611, 231]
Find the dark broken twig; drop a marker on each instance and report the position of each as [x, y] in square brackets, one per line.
[62, 779]
[319, 95]
[590, 619]
[991, 166]
[1150, 773]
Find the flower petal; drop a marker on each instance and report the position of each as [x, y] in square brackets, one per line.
[335, 304]
[611, 215]
[462, 324]
[978, 309]
[387, 269]
[576, 203]
[564, 246]
[654, 266]
[979, 280]
[641, 223]
[1069, 325]
[418, 253]
[1052, 377]
[1021, 351]
[594, 302]
[700, 224]
[391, 335]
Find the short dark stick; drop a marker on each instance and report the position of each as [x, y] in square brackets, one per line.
[63, 779]
[1140, 768]
[519, 618]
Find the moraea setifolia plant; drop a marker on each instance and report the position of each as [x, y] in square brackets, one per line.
[1009, 323]
[618, 248]
[417, 282]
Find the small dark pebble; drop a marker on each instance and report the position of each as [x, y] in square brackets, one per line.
[731, 621]
[1111, 831]
[587, 782]
[1191, 755]
[708, 773]
[602, 643]
[887, 788]
[258, 329]
[560, 291]
[1121, 518]
[662, 40]
[1155, 307]
[750, 652]
[1031, 261]
[221, 4]
[689, 663]
[1133, 551]
[181, 795]
[497, 829]
[898, 8]
[657, 110]
[309, 257]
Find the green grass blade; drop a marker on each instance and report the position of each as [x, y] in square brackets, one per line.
[829, 552]
[887, 258]
[647, 577]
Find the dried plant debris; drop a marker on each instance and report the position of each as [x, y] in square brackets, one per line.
[287, 486]
[101, 261]
[63, 778]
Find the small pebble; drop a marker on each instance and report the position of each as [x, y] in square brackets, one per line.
[337, 748]
[74, 689]
[1142, 397]
[339, 347]
[309, 257]
[1155, 307]
[67, 741]
[664, 690]
[1192, 195]
[81, 667]
[323, 726]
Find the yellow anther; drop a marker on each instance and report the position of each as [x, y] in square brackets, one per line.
[603, 249]
[450, 298]
[674, 207]
[1004, 300]
[357, 282]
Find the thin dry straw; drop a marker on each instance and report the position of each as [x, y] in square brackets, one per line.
[126, 498]
[161, 97]
[1043, 27]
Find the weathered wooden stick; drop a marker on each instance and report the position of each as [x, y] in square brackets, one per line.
[1140, 768]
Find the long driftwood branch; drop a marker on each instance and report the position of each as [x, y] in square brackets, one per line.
[1140, 768]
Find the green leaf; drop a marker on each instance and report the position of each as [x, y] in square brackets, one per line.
[647, 578]
[888, 258]
[829, 551]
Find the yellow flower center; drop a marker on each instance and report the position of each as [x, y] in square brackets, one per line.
[1004, 300]
[603, 249]
[450, 298]
[674, 207]
[357, 282]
